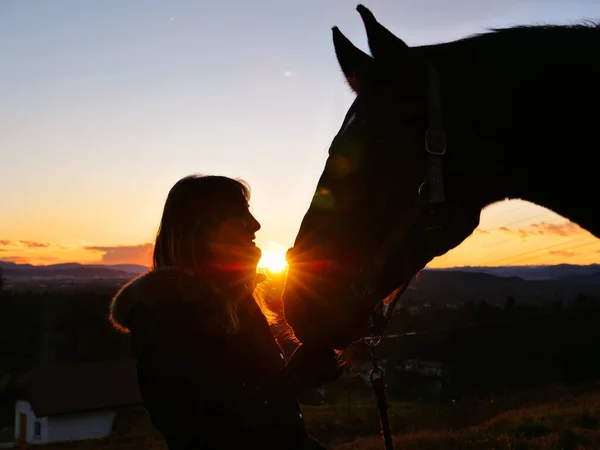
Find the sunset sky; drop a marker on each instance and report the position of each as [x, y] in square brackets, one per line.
[105, 104]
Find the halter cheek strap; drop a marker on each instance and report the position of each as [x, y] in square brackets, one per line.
[435, 146]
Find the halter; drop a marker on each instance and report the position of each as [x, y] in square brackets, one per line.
[435, 146]
[365, 286]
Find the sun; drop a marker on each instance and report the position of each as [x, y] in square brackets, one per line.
[273, 260]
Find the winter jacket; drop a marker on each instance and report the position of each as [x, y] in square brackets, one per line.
[205, 387]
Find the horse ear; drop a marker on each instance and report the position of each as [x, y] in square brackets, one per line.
[355, 64]
[384, 45]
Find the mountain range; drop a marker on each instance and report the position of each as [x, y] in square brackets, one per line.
[534, 286]
[71, 270]
[76, 270]
[531, 284]
[531, 272]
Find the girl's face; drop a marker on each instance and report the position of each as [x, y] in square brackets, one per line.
[233, 240]
[239, 228]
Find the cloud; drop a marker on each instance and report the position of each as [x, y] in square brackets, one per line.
[28, 260]
[288, 74]
[22, 243]
[480, 231]
[125, 254]
[544, 229]
[563, 229]
[564, 253]
[15, 259]
[32, 244]
[172, 19]
[48, 258]
[34, 260]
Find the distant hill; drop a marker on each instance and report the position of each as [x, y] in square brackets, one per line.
[455, 286]
[530, 272]
[435, 287]
[560, 271]
[71, 270]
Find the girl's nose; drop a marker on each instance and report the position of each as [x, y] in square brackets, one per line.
[253, 224]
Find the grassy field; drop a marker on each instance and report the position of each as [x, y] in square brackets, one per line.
[556, 417]
[570, 422]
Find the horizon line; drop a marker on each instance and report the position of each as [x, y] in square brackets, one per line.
[265, 267]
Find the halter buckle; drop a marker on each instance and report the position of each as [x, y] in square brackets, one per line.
[433, 229]
[435, 141]
[375, 374]
[372, 341]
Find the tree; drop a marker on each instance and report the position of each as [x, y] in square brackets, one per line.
[483, 310]
[509, 306]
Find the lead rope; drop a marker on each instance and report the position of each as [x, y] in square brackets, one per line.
[376, 375]
[435, 146]
[378, 385]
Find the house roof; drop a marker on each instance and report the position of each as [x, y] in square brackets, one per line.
[64, 389]
[433, 364]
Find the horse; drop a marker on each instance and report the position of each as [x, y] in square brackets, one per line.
[435, 134]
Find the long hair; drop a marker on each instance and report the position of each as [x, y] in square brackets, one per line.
[194, 208]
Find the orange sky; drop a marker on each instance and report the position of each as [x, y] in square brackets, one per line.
[105, 105]
[510, 233]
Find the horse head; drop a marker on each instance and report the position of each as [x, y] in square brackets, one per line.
[379, 213]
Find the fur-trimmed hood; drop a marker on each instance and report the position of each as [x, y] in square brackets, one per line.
[169, 284]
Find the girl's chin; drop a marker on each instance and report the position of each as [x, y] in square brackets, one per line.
[248, 254]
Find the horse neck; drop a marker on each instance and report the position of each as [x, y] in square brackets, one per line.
[523, 128]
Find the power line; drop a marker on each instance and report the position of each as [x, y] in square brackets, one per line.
[566, 249]
[510, 239]
[591, 240]
[544, 213]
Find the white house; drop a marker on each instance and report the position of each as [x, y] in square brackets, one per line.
[74, 402]
[425, 368]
